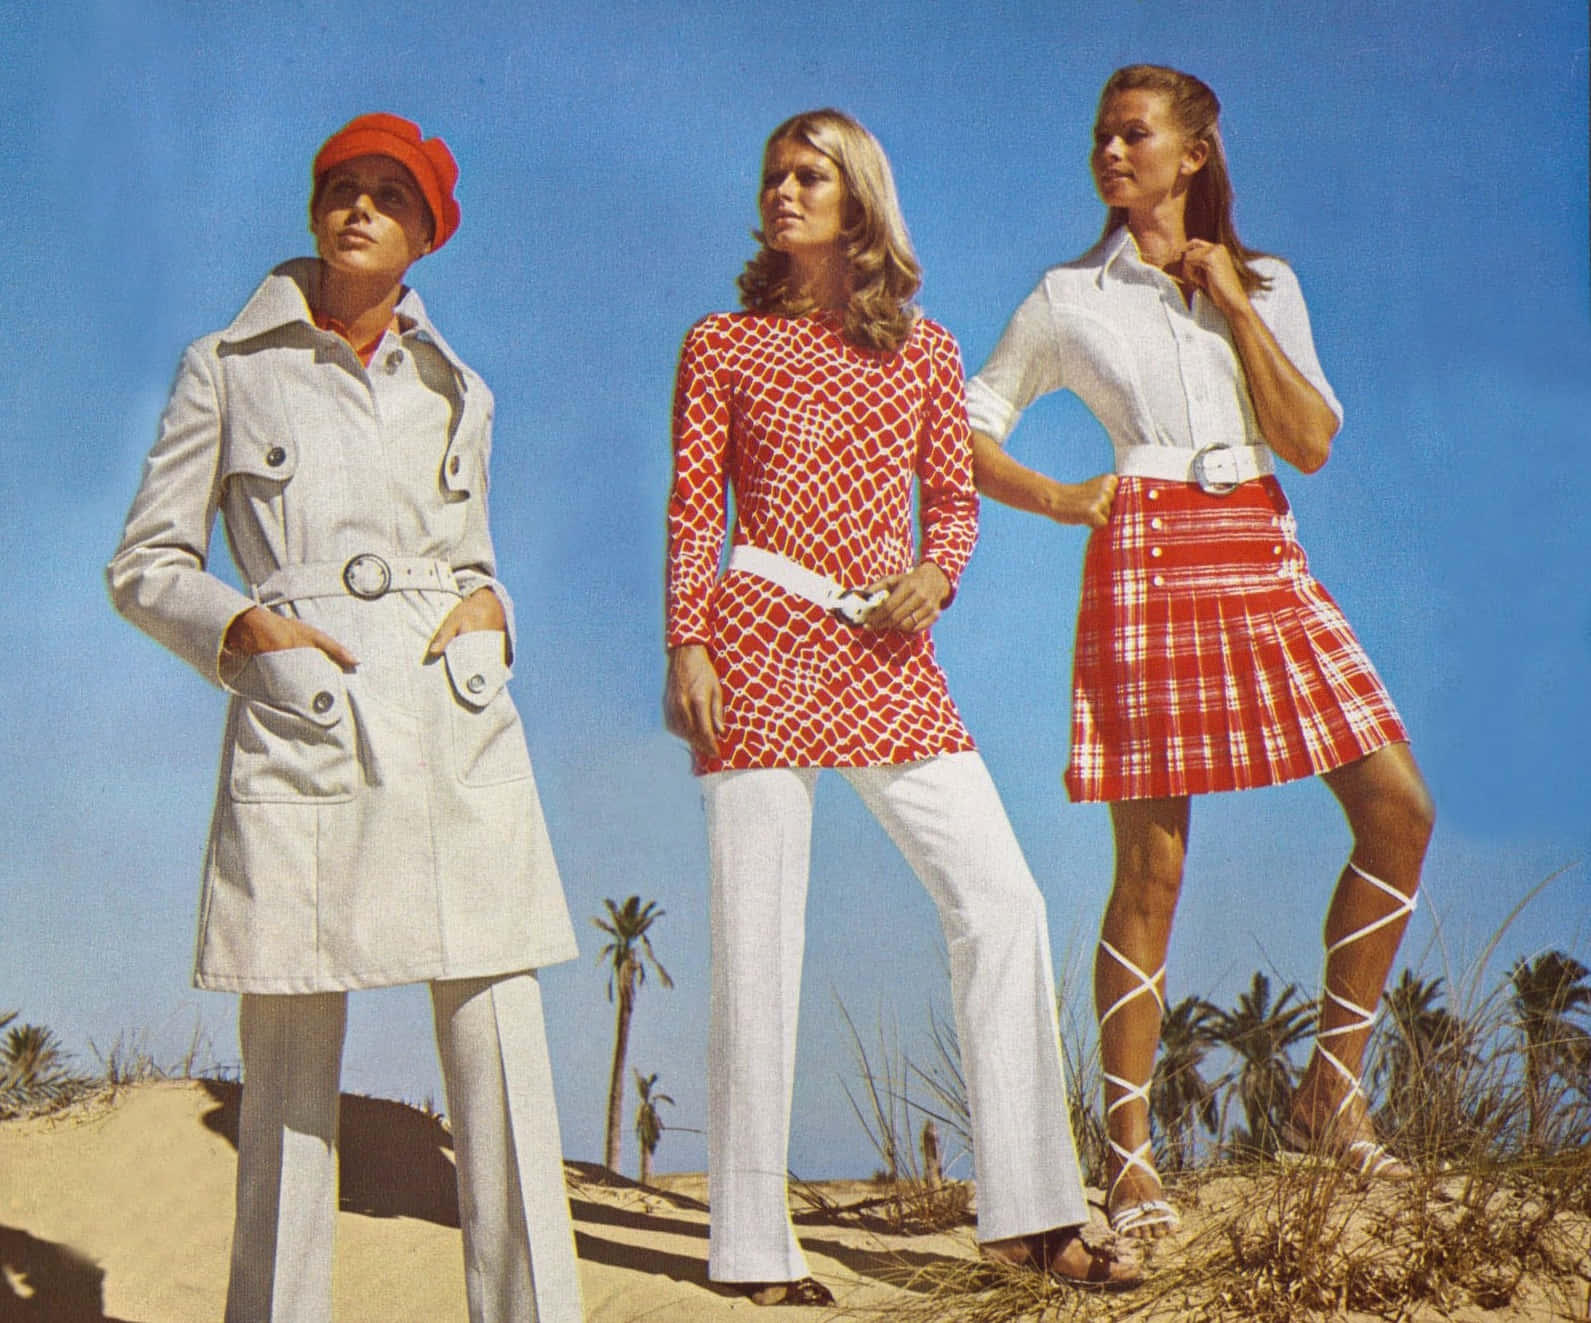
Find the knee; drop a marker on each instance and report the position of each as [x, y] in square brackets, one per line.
[1147, 885]
[1402, 817]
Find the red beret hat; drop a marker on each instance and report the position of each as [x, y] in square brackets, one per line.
[427, 159]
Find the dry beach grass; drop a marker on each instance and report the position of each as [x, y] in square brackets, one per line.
[117, 1210]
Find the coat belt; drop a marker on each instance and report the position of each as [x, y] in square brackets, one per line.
[366, 576]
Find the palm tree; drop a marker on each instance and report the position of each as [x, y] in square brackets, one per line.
[1261, 1035]
[1423, 1062]
[649, 1125]
[33, 1069]
[1547, 992]
[1180, 1098]
[627, 956]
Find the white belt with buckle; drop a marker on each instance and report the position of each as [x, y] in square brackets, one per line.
[848, 604]
[1217, 469]
[366, 576]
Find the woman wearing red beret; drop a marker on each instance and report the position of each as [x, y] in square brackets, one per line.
[377, 820]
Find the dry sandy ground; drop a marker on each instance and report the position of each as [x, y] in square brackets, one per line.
[121, 1213]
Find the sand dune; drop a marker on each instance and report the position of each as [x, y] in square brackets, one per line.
[120, 1212]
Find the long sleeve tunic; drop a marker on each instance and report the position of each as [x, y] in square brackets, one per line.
[822, 447]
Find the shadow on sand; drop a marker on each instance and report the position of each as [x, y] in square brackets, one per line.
[396, 1161]
[43, 1282]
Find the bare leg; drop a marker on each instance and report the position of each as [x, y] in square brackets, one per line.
[1129, 996]
[1390, 814]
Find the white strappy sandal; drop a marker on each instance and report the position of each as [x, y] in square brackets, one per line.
[1366, 1158]
[1144, 1215]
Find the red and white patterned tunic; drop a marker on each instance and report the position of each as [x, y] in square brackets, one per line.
[822, 443]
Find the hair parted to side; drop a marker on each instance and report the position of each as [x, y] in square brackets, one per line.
[1197, 111]
[884, 270]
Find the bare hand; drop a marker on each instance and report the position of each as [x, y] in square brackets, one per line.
[916, 599]
[693, 700]
[1089, 502]
[260, 630]
[480, 610]
[1209, 266]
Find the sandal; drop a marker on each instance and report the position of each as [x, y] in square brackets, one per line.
[1366, 1158]
[1063, 1256]
[806, 1291]
[1142, 1218]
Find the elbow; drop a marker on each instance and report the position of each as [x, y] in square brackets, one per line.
[986, 457]
[1312, 458]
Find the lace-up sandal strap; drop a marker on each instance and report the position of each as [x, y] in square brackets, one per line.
[1149, 983]
[1364, 1017]
[1130, 1157]
[1405, 906]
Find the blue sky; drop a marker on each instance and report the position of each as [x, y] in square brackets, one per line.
[1423, 166]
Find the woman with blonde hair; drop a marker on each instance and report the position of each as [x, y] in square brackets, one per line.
[823, 407]
[1207, 657]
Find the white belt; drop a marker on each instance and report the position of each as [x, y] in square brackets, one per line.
[366, 576]
[1217, 469]
[848, 604]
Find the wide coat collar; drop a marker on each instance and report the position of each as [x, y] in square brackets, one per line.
[287, 295]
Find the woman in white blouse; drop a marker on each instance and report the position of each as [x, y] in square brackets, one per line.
[1207, 657]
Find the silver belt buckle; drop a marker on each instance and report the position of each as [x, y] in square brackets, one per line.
[367, 576]
[852, 606]
[1215, 469]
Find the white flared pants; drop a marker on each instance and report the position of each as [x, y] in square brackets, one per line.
[519, 1256]
[946, 817]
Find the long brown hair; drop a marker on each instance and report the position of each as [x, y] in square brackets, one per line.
[883, 268]
[1197, 112]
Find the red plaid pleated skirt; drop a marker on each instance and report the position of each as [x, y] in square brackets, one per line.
[1207, 657]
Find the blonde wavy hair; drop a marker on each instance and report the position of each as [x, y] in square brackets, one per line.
[1197, 112]
[884, 269]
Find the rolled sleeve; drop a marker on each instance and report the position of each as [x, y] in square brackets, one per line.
[1025, 364]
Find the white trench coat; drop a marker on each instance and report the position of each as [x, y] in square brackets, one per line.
[380, 826]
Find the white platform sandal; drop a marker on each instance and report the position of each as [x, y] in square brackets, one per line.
[1144, 1215]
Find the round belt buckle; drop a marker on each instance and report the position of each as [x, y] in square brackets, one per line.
[1215, 469]
[367, 576]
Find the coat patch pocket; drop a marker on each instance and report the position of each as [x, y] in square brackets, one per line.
[488, 741]
[292, 735]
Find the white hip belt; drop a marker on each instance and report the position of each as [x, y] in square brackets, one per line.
[848, 604]
[366, 576]
[1217, 469]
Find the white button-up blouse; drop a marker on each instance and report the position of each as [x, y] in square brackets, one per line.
[1153, 370]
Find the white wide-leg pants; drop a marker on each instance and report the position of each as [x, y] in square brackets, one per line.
[519, 1256]
[946, 817]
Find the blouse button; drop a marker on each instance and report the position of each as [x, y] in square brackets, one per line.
[1154, 493]
[276, 457]
[1155, 522]
[1159, 581]
[1276, 550]
[322, 703]
[1155, 552]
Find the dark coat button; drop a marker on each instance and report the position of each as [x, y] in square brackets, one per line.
[322, 703]
[276, 457]
[453, 466]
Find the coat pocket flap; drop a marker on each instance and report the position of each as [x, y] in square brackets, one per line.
[259, 453]
[475, 666]
[303, 681]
